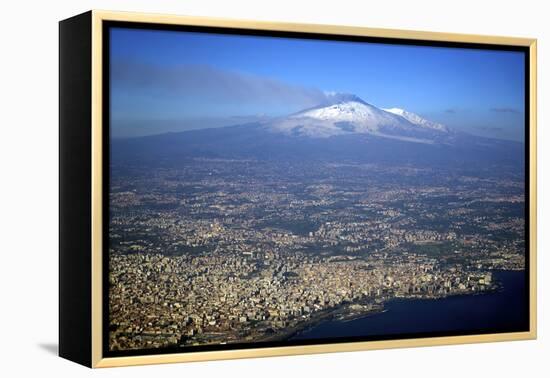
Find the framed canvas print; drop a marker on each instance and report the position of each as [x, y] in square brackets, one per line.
[235, 189]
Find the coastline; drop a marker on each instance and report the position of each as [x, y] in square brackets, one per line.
[499, 309]
[343, 313]
[318, 318]
[353, 311]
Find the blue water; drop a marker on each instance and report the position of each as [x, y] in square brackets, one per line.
[503, 310]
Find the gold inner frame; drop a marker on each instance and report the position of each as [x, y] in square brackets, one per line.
[97, 153]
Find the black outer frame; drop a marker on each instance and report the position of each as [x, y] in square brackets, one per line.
[75, 203]
[75, 189]
[299, 35]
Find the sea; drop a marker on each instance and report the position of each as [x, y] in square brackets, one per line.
[503, 310]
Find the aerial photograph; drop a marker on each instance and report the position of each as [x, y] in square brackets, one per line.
[271, 190]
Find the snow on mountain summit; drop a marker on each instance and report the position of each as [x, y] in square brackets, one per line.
[346, 113]
[350, 111]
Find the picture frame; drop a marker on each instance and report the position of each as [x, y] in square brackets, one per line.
[86, 146]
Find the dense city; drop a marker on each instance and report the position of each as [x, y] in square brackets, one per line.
[215, 251]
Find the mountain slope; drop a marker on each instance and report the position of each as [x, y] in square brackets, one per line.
[344, 129]
[417, 120]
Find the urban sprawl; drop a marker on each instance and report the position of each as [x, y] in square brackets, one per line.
[233, 251]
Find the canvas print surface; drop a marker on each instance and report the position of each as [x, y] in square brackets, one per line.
[282, 191]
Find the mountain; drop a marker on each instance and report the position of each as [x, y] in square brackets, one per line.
[344, 128]
[348, 114]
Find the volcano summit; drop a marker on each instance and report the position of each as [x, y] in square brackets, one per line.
[348, 114]
[344, 128]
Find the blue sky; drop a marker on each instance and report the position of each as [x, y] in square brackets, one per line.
[172, 81]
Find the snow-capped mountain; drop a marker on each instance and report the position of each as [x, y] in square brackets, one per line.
[342, 129]
[348, 114]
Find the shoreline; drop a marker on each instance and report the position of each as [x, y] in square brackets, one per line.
[347, 313]
[344, 310]
[321, 316]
